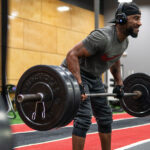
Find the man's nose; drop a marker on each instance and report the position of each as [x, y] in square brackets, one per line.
[139, 23]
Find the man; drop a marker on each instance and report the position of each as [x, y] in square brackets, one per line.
[99, 51]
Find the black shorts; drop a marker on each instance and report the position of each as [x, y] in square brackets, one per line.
[97, 106]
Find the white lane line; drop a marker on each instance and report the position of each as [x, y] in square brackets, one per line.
[69, 126]
[87, 134]
[69, 137]
[24, 132]
[120, 113]
[126, 128]
[17, 124]
[133, 145]
[113, 121]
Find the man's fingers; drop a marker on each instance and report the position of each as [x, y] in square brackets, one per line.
[83, 97]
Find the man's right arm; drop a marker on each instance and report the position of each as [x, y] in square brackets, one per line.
[73, 60]
[96, 40]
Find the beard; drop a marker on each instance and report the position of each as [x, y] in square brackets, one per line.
[130, 31]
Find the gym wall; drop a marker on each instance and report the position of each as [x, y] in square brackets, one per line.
[39, 34]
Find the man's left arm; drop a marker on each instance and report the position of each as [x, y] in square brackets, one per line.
[116, 72]
[115, 69]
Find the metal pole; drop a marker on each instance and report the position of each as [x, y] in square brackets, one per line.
[4, 23]
[96, 10]
[110, 94]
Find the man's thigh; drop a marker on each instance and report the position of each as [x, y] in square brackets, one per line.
[101, 109]
[84, 113]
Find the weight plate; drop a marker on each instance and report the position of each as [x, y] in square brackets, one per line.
[50, 81]
[137, 107]
[69, 103]
[76, 99]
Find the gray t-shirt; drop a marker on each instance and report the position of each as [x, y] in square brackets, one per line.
[105, 50]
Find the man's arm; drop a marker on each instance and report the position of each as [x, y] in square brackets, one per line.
[116, 72]
[73, 60]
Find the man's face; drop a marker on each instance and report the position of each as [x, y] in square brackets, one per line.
[133, 24]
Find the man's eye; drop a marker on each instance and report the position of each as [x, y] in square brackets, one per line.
[136, 18]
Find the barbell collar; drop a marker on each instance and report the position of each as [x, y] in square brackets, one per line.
[30, 97]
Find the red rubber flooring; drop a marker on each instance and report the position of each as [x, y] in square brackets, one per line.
[120, 136]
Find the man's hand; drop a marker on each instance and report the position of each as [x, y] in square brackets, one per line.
[82, 90]
[118, 89]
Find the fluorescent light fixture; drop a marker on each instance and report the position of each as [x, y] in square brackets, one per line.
[123, 1]
[63, 8]
[13, 15]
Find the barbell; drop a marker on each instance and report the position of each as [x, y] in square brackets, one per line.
[40, 96]
[48, 97]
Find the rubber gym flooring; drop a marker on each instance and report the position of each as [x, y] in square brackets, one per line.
[129, 133]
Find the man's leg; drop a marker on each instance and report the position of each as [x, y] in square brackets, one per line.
[78, 142]
[103, 115]
[105, 141]
[82, 122]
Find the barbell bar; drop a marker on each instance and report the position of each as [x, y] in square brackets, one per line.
[40, 96]
[135, 94]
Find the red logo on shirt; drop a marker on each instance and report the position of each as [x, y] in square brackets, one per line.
[106, 58]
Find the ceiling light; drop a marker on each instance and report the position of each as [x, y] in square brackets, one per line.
[63, 8]
[13, 15]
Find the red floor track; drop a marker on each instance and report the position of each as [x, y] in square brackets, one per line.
[23, 128]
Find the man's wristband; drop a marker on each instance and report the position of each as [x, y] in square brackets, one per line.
[82, 89]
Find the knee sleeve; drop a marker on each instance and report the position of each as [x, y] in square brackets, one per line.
[106, 128]
[79, 132]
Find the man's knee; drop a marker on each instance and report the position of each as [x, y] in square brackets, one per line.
[79, 132]
[105, 128]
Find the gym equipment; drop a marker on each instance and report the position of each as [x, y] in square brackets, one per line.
[48, 97]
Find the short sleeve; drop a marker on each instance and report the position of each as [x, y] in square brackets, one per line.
[95, 41]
